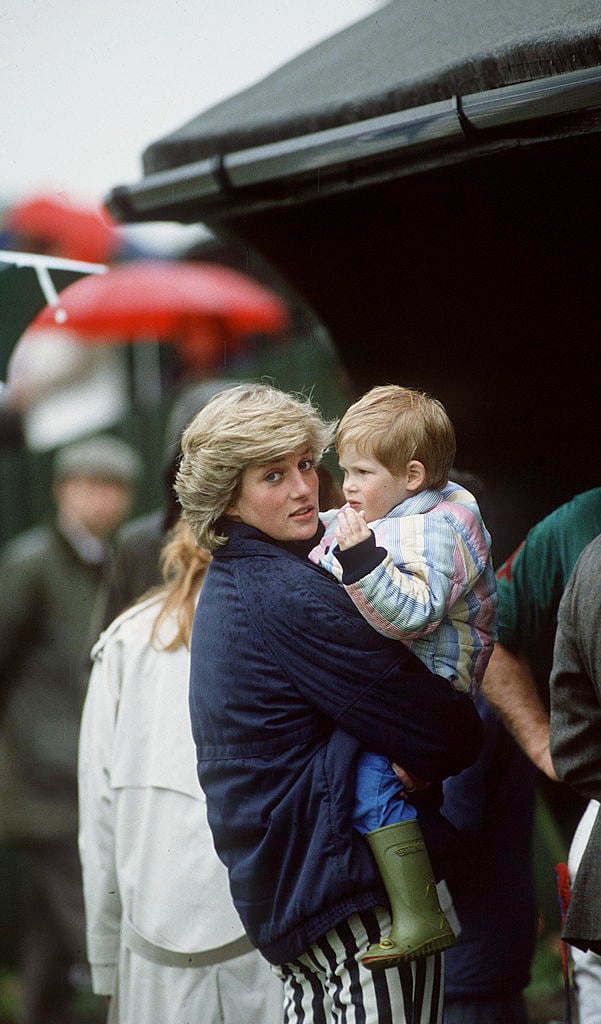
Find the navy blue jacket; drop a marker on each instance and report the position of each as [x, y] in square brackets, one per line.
[288, 683]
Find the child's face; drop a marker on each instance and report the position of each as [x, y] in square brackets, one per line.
[369, 487]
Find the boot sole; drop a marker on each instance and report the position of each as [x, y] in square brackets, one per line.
[391, 959]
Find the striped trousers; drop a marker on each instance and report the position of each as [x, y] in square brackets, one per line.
[327, 985]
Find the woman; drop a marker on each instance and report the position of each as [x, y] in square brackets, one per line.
[164, 940]
[288, 682]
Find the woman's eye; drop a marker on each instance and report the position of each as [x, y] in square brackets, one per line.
[272, 477]
[306, 465]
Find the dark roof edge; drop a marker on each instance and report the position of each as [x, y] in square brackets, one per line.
[208, 184]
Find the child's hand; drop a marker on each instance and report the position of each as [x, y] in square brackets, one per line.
[351, 529]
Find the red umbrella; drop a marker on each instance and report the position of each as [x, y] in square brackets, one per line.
[198, 306]
[53, 224]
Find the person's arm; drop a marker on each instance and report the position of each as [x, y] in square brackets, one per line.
[406, 588]
[96, 824]
[510, 687]
[529, 588]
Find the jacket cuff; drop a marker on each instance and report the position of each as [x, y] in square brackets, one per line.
[359, 560]
[103, 979]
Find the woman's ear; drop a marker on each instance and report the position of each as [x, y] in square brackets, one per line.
[416, 476]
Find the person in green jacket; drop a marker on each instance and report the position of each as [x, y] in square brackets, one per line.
[53, 577]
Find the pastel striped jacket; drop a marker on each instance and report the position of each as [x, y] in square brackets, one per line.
[425, 578]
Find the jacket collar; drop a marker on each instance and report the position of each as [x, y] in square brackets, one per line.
[243, 540]
[425, 501]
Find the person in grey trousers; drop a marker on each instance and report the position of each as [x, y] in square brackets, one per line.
[576, 754]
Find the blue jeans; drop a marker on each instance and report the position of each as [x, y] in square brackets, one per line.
[378, 800]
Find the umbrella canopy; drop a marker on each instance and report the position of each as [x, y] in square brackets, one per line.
[28, 282]
[198, 306]
[49, 223]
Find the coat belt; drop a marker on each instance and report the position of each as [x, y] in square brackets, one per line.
[169, 958]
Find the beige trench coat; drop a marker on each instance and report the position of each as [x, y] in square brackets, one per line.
[162, 932]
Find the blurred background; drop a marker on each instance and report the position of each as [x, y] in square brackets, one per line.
[90, 87]
[89, 91]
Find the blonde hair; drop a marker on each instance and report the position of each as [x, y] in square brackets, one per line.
[242, 426]
[394, 425]
[183, 566]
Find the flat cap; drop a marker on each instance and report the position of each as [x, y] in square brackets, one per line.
[103, 457]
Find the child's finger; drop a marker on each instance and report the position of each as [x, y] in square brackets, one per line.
[346, 532]
[356, 525]
[343, 540]
[351, 519]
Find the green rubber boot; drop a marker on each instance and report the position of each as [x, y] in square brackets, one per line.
[419, 926]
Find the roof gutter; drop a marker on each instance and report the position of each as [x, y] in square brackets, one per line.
[194, 190]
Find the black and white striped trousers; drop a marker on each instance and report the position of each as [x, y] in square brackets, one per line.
[327, 985]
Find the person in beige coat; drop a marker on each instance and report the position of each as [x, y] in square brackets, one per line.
[163, 939]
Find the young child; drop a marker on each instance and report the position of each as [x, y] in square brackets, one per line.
[421, 574]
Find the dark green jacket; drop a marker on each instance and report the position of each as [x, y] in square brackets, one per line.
[48, 598]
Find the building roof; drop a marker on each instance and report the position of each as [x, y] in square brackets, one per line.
[415, 74]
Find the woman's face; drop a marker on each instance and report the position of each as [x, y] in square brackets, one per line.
[280, 498]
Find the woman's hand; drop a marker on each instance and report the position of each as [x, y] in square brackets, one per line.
[411, 784]
[351, 529]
